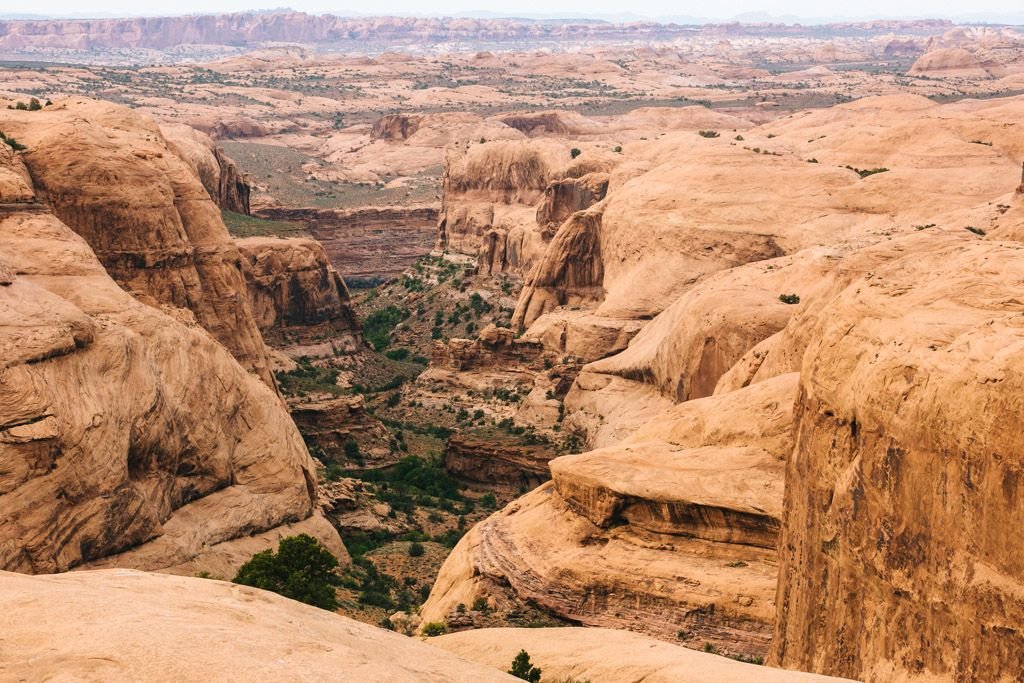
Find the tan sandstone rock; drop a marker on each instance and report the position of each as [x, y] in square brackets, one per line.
[126, 436]
[109, 174]
[126, 625]
[604, 655]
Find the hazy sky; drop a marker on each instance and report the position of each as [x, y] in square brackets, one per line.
[718, 9]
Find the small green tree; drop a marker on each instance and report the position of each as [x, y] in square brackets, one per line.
[301, 569]
[575, 152]
[522, 668]
[416, 549]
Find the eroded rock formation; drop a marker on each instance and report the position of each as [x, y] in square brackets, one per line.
[895, 563]
[295, 294]
[108, 173]
[395, 127]
[128, 436]
[692, 503]
[490, 459]
[367, 243]
[229, 188]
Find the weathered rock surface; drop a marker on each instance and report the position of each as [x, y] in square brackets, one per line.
[295, 294]
[502, 462]
[127, 625]
[328, 423]
[129, 435]
[109, 174]
[367, 243]
[229, 188]
[599, 654]
[564, 197]
[894, 561]
[691, 503]
[494, 346]
[395, 127]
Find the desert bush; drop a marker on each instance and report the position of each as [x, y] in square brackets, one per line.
[523, 669]
[301, 569]
[434, 628]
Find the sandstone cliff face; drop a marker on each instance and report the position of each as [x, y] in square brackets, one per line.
[904, 481]
[367, 243]
[395, 127]
[128, 436]
[490, 190]
[224, 181]
[109, 175]
[295, 294]
[564, 197]
[495, 461]
[126, 625]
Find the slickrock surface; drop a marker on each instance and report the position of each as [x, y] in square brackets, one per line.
[126, 431]
[126, 625]
[108, 173]
[895, 559]
[604, 655]
[295, 294]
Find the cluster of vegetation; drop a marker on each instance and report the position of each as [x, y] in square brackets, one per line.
[710, 134]
[301, 569]
[11, 142]
[523, 669]
[240, 225]
[308, 378]
[865, 172]
[977, 231]
[379, 325]
[32, 105]
[789, 298]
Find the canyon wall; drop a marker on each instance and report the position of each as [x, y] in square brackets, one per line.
[128, 436]
[894, 560]
[229, 188]
[295, 294]
[109, 174]
[367, 244]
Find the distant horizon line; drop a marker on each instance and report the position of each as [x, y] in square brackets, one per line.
[751, 18]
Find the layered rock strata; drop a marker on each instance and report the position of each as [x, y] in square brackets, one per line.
[295, 294]
[109, 174]
[128, 435]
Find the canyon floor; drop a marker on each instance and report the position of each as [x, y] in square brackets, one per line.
[666, 357]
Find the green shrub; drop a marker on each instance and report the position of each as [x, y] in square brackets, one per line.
[575, 152]
[379, 325]
[416, 549]
[789, 298]
[865, 172]
[489, 501]
[301, 569]
[400, 353]
[11, 142]
[352, 451]
[523, 669]
[708, 133]
[434, 628]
